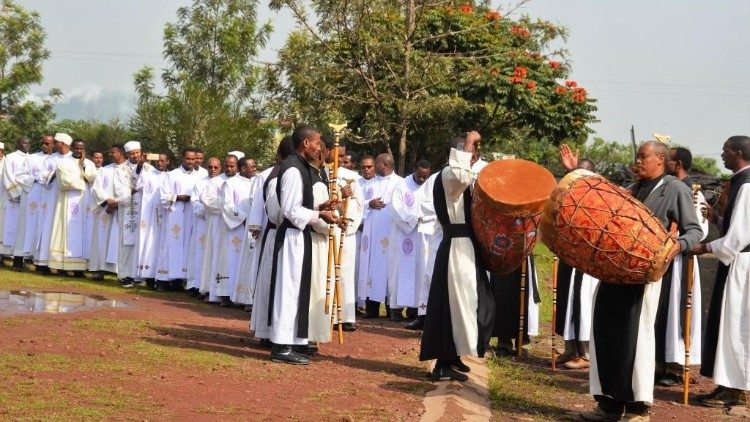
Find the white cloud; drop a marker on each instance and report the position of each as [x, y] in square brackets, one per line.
[87, 93]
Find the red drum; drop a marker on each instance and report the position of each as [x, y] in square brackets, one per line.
[507, 204]
[599, 227]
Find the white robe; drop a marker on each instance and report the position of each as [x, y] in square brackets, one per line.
[33, 204]
[404, 243]
[210, 197]
[247, 269]
[732, 364]
[105, 231]
[17, 181]
[128, 190]
[289, 269]
[49, 201]
[3, 199]
[588, 287]
[173, 257]
[67, 245]
[373, 275]
[362, 262]
[197, 242]
[259, 319]
[236, 201]
[319, 319]
[152, 223]
[349, 258]
[430, 236]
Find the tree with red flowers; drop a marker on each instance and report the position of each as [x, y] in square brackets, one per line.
[408, 74]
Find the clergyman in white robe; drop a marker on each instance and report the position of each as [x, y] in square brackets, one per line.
[152, 223]
[210, 197]
[17, 181]
[173, 258]
[403, 243]
[236, 202]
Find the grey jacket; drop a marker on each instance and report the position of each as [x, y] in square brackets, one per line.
[671, 200]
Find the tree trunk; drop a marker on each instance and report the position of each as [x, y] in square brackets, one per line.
[402, 150]
[409, 14]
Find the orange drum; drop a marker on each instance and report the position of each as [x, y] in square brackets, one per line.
[507, 204]
[597, 226]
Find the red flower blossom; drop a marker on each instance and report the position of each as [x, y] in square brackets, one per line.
[571, 84]
[531, 85]
[579, 95]
[520, 71]
[520, 31]
[560, 89]
[493, 15]
[466, 8]
[515, 79]
[554, 65]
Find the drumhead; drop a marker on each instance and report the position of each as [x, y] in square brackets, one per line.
[515, 186]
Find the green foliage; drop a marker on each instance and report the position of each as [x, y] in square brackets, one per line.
[22, 53]
[210, 82]
[99, 136]
[706, 165]
[408, 74]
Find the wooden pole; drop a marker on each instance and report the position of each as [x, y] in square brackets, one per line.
[338, 297]
[333, 192]
[521, 310]
[688, 314]
[554, 309]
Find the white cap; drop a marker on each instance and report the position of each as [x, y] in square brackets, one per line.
[2, 145]
[238, 154]
[64, 138]
[132, 146]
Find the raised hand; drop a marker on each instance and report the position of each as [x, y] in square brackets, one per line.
[568, 158]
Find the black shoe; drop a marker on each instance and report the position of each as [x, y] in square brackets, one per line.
[718, 390]
[503, 352]
[225, 302]
[348, 326]
[447, 374]
[669, 380]
[126, 283]
[193, 292]
[140, 283]
[417, 324]
[160, 286]
[265, 343]
[305, 349]
[18, 263]
[397, 315]
[97, 276]
[285, 354]
[43, 269]
[460, 366]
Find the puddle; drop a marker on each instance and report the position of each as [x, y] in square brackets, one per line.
[27, 301]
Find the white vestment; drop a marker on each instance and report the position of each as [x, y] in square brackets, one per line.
[33, 204]
[259, 319]
[49, 201]
[197, 242]
[586, 309]
[236, 201]
[173, 255]
[128, 190]
[152, 223]
[361, 264]
[17, 181]
[210, 197]
[404, 243]
[105, 232]
[3, 197]
[430, 236]
[289, 267]
[247, 269]
[67, 244]
[373, 271]
[732, 363]
[350, 253]
[319, 319]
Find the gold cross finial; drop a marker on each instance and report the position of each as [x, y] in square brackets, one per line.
[337, 127]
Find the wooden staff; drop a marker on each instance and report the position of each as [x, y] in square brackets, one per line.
[688, 314]
[554, 308]
[337, 292]
[521, 310]
[333, 172]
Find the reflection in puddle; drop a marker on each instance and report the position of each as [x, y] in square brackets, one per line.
[24, 301]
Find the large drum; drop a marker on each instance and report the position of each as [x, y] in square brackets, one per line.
[598, 227]
[507, 204]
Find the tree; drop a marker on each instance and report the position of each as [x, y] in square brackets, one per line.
[99, 136]
[706, 165]
[22, 53]
[210, 83]
[407, 74]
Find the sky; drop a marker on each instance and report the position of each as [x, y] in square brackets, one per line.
[676, 67]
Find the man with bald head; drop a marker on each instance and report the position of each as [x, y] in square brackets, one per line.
[374, 265]
[623, 341]
[33, 208]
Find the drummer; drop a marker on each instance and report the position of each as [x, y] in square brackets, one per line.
[622, 339]
[459, 281]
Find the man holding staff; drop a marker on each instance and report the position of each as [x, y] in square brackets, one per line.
[725, 357]
[623, 339]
